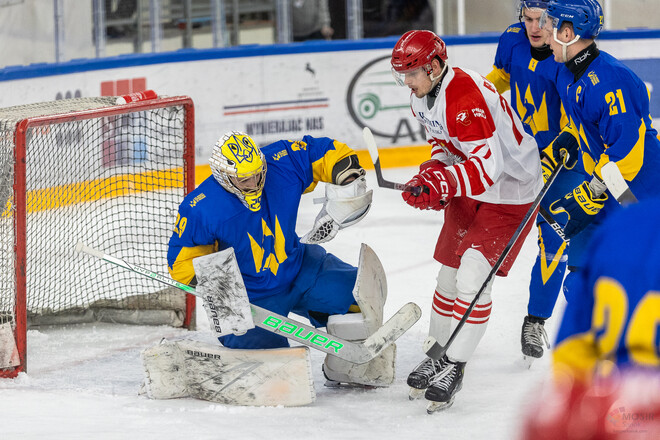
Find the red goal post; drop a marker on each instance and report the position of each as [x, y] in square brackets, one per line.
[109, 175]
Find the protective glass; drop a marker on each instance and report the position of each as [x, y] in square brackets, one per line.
[549, 20]
[400, 76]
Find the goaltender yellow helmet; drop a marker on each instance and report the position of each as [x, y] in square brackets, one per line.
[239, 166]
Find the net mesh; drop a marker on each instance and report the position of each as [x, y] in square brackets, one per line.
[112, 182]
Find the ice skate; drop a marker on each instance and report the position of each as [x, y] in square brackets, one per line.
[533, 337]
[420, 377]
[444, 386]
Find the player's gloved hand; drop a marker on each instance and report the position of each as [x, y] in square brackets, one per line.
[440, 183]
[565, 149]
[581, 205]
[548, 164]
[423, 200]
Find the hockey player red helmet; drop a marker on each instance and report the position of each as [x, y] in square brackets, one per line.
[417, 49]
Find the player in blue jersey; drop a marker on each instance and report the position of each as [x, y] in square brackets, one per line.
[614, 315]
[250, 203]
[525, 66]
[609, 122]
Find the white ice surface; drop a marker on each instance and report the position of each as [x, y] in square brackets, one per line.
[83, 380]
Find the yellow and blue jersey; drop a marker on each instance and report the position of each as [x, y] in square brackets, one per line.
[614, 311]
[532, 81]
[267, 248]
[608, 108]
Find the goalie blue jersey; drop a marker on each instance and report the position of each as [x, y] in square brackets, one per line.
[608, 108]
[532, 82]
[267, 248]
[614, 310]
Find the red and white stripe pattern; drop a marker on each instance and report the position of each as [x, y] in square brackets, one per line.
[442, 305]
[474, 132]
[471, 175]
[480, 313]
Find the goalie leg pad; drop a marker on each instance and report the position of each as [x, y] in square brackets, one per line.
[370, 291]
[271, 377]
[378, 372]
[226, 303]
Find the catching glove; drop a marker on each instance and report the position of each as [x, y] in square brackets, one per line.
[581, 205]
[565, 149]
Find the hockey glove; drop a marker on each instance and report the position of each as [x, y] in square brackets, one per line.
[441, 184]
[565, 149]
[422, 201]
[548, 163]
[581, 205]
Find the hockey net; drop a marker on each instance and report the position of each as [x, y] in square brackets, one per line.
[109, 175]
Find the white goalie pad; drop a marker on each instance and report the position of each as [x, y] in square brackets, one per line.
[343, 206]
[226, 303]
[370, 292]
[274, 377]
[8, 350]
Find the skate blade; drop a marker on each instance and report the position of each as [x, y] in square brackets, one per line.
[348, 385]
[434, 407]
[528, 361]
[416, 393]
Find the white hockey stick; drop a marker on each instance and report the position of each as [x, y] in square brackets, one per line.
[355, 352]
[431, 346]
[617, 184]
[373, 152]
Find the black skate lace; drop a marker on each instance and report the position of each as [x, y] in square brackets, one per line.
[535, 334]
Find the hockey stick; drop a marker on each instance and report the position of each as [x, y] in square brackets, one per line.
[355, 352]
[553, 223]
[373, 152]
[431, 346]
[617, 184]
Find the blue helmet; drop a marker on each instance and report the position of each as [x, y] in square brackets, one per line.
[531, 4]
[585, 15]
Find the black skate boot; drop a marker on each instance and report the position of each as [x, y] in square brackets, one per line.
[533, 337]
[419, 378]
[444, 386]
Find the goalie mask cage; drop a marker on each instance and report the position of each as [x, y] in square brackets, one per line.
[109, 175]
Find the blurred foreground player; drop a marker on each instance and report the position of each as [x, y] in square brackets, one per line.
[250, 203]
[484, 172]
[607, 354]
[614, 312]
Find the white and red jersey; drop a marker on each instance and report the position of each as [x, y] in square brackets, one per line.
[473, 130]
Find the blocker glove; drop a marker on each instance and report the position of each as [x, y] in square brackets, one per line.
[581, 205]
[565, 148]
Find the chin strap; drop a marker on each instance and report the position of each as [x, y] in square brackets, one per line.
[564, 46]
[440, 75]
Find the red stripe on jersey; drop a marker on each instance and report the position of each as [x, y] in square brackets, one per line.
[477, 161]
[474, 176]
[476, 150]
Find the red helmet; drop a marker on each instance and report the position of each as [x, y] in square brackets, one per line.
[417, 49]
